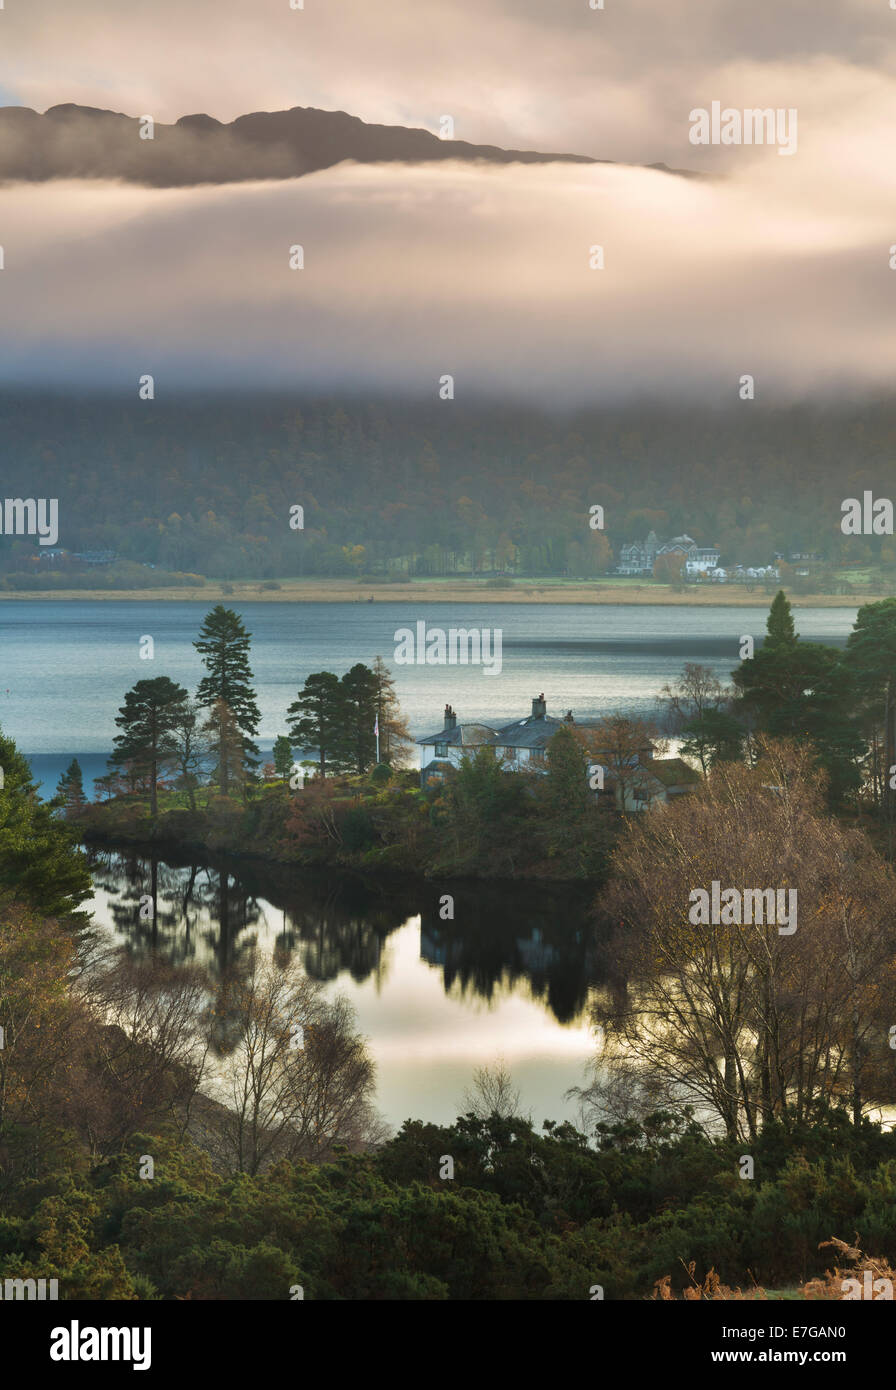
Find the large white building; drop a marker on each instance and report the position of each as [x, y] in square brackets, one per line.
[639, 557]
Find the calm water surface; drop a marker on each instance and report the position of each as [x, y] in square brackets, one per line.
[512, 975]
[67, 665]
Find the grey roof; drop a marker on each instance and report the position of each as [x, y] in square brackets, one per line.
[533, 732]
[462, 735]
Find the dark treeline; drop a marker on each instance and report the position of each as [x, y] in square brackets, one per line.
[205, 485]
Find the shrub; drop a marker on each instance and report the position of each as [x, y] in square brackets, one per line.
[356, 829]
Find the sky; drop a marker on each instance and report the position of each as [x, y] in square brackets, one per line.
[776, 266]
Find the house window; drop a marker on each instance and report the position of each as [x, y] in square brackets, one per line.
[536, 755]
[441, 750]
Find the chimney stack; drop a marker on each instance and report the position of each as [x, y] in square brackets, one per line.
[450, 718]
[539, 708]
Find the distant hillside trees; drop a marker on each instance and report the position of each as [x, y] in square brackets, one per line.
[670, 569]
[401, 488]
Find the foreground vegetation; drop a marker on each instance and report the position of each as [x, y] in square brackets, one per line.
[525, 1216]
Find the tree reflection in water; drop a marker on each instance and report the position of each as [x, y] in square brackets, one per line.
[541, 941]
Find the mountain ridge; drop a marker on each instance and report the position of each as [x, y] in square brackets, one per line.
[72, 141]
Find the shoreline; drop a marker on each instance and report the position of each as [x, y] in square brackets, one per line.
[442, 591]
[402, 880]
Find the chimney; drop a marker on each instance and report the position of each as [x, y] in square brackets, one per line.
[539, 708]
[450, 718]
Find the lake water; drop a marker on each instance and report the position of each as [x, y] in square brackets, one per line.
[513, 973]
[67, 665]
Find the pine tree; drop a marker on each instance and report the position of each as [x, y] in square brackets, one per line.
[871, 654]
[396, 742]
[282, 756]
[148, 717]
[357, 741]
[223, 644]
[804, 691]
[316, 718]
[568, 792]
[228, 745]
[779, 627]
[70, 790]
[39, 863]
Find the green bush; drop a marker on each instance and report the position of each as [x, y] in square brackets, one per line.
[357, 829]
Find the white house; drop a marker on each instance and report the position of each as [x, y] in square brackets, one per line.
[442, 751]
[632, 783]
[520, 745]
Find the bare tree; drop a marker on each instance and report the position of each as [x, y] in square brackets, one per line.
[192, 749]
[144, 1054]
[626, 748]
[225, 742]
[736, 1018]
[696, 704]
[299, 1080]
[331, 1085]
[696, 691]
[492, 1092]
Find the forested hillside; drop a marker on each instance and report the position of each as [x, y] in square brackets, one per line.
[205, 485]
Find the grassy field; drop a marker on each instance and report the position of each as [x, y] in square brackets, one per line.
[453, 590]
